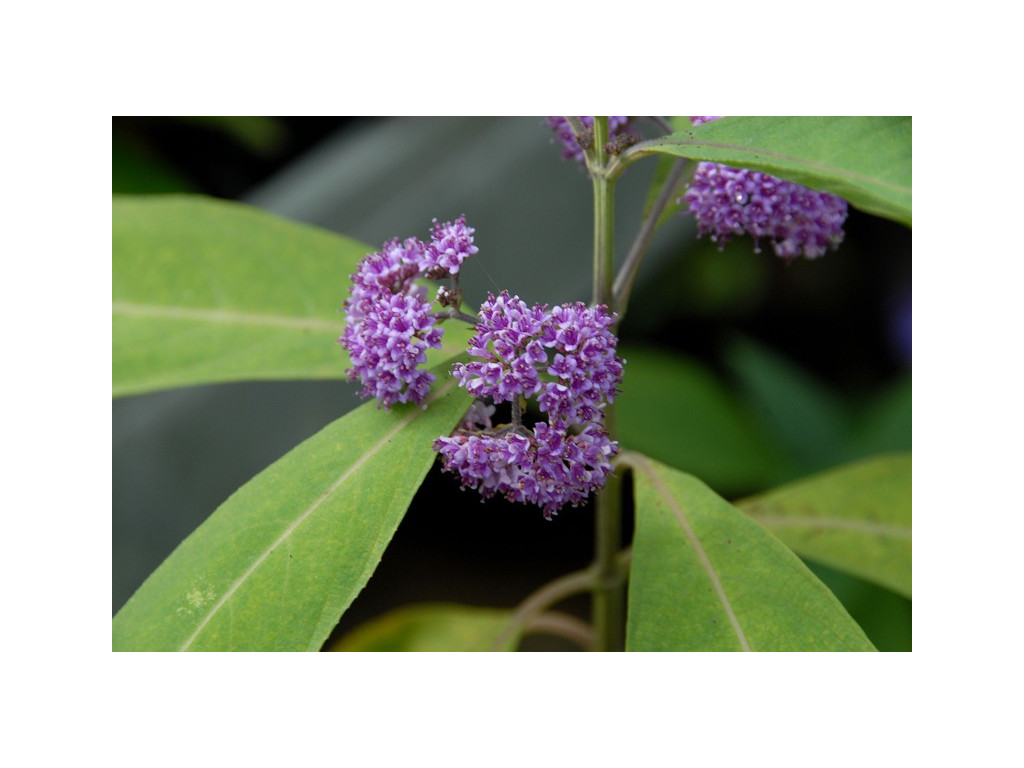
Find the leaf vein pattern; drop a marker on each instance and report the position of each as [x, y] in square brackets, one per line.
[861, 526]
[798, 161]
[223, 316]
[309, 511]
[229, 317]
[691, 535]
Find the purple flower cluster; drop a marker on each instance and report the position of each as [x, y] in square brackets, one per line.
[389, 321]
[545, 466]
[565, 359]
[571, 149]
[449, 246]
[731, 201]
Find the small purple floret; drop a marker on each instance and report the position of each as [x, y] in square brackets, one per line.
[451, 243]
[796, 220]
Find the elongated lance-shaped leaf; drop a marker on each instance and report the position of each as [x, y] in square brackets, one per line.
[855, 518]
[432, 627]
[866, 160]
[705, 577]
[209, 291]
[279, 562]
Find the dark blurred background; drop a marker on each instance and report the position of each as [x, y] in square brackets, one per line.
[829, 340]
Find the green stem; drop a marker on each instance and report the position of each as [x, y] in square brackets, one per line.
[628, 156]
[562, 625]
[631, 265]
[538, 602]
[517, 411]
[609, 593]
[604, 217]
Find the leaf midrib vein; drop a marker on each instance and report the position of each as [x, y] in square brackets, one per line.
[231, 317]
[363, 459]
[800, 162]
[691, 535]
[861, 526]
[226, 316]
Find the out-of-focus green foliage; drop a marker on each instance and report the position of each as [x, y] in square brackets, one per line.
[431, 628]
[676, 410]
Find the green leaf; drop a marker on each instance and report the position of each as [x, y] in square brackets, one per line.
[259, 134]
[705, 577]
[440, 627]
[855, 518]
[675, 410]
[280, 561]
[805, 419]
[136, 170]
[886, 617]
[866, 160]
[208, 291]
[885, 424]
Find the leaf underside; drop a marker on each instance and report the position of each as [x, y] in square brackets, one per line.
[866, 160]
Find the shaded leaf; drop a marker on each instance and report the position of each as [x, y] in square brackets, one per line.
[259, 134]
[705, 577]
[209, 291]
[437, 627]
[675, 410]
[813, 427]
[885, 424]
[856, 518]
[135, 170]
[279, 562]
[866, 160]
[809, 422]
[662, 173]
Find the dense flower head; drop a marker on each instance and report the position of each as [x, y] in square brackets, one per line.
[506, 341]
[731, 201]
[387, 343]
[565, 359]
[389, 324]
[571, 149]
[388, 271]
[449, 246]
[545, 466]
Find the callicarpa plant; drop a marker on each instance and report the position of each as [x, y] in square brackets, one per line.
[513, 400]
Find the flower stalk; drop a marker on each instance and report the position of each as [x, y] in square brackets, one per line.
[604, 216]
[624, 280]
[609, 593]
